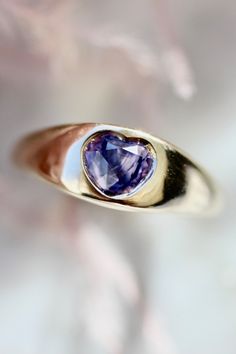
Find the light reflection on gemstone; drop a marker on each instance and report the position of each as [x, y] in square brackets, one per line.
[117, 165]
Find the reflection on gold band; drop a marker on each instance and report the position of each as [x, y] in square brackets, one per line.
[177, 184]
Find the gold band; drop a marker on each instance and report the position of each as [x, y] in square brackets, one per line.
[177, 184]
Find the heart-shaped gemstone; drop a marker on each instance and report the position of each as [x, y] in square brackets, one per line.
[117, 165]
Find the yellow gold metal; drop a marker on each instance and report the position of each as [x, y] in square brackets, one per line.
[177, 184]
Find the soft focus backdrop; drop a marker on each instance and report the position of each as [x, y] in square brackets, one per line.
[75, 278]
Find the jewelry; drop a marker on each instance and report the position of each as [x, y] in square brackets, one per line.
[119, 168]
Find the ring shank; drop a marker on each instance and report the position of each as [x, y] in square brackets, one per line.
[192, 188]
[179, 184]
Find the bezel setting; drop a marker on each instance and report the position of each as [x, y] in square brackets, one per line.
[119, 138]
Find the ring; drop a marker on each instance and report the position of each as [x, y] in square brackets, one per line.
[118, 167]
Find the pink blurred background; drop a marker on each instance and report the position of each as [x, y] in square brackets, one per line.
[75, 278]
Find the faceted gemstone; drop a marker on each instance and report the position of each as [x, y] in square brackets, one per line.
[117, 165]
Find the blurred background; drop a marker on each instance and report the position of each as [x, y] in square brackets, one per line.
[76, 278]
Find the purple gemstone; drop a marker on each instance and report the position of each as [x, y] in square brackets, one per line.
[117, 165]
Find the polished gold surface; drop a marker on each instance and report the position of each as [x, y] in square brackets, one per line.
[177, 183]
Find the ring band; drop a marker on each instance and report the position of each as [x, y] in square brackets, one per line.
[119, 168]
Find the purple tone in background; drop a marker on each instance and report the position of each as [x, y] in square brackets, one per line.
[75, 278]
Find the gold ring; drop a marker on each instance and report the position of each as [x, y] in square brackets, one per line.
[118, 167]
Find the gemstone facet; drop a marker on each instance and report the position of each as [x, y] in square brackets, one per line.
[117, 165]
